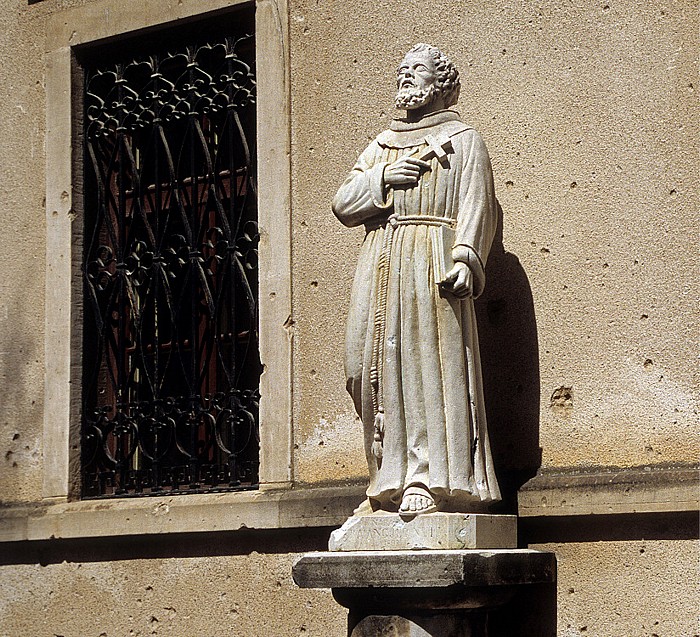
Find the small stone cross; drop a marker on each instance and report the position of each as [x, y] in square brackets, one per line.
[437, 147]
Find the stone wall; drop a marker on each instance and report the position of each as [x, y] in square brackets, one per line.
[235, 586]
[588, 325]
[589, 111]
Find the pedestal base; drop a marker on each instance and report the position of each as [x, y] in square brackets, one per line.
[391, 532]
[443, 593]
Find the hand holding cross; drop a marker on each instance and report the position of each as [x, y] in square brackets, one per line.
[406, 170]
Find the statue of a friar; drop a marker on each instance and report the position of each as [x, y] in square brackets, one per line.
[424, 192]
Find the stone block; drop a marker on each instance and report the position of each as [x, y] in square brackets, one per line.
[424, 569]
[390, 531]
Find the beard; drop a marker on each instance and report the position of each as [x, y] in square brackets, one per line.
[413, 97]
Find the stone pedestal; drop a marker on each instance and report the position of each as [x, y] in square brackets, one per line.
[427, 593]
[390, 531]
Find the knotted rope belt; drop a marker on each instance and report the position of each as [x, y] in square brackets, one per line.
[376, 372]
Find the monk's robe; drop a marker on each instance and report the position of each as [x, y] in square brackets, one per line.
[412, 348]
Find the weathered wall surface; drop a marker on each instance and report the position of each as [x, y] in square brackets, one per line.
[217, 596]
[608, 589]
[589, 111]
[590, 114]
[22, 248]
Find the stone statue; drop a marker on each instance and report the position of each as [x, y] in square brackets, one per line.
[424, 191]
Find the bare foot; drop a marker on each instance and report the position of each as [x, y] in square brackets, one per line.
[417, 500]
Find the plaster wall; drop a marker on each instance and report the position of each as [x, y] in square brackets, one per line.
[217, 596]
[643, 588]
[22, 249]
[589, 111]
[606, 589]
[590, 114]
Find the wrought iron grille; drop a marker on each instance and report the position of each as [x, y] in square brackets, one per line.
[171, 360]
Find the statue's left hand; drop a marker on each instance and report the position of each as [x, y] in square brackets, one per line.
[459, 281]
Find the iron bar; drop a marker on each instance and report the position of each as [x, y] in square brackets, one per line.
[171, 392]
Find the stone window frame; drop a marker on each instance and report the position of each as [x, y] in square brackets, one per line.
[110, 19]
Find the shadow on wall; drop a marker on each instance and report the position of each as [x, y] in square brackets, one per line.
[511, 372]
[21, 379]
[532, 612]
[166, 546]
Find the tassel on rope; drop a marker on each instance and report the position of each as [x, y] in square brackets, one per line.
[377, 445]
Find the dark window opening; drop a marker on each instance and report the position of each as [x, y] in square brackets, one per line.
[171, 361]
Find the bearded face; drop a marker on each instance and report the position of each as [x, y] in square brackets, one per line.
[409, 97]
[416, 81]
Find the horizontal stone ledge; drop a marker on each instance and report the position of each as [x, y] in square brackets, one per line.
[232, 511]
[611, 492]
[424, 569]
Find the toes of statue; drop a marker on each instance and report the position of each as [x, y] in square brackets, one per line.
[417, 500]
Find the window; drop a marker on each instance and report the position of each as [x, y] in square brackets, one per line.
[171, 362]
[143, 397]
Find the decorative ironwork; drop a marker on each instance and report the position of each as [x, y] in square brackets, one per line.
[171, 360]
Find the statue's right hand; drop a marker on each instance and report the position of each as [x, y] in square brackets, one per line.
[405, 170]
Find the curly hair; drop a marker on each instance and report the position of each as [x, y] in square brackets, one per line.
[448, 76]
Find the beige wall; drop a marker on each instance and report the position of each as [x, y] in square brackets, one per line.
[22, 248]
[600, 98]
[642, 588]
[605, 589]
[590, 114]
[216, 596]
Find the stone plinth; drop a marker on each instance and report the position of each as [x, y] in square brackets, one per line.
[389, 531]
[424, 569]
[428, 593]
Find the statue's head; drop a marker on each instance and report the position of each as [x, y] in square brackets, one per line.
[426, 74]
